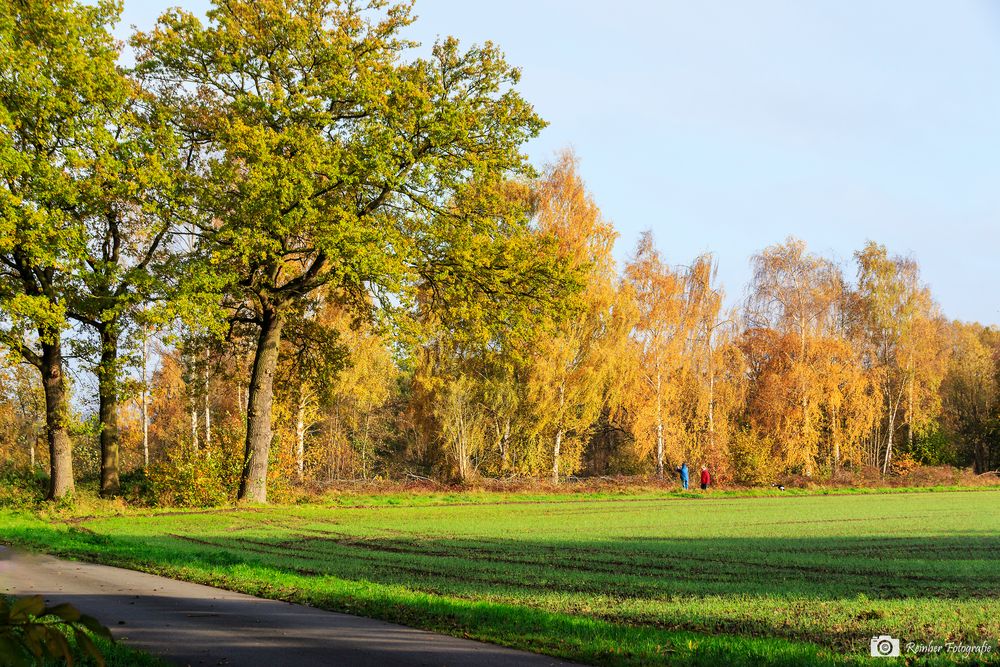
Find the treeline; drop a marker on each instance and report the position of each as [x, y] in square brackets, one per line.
[281, 248]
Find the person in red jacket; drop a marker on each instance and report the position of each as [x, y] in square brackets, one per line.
[706, 479]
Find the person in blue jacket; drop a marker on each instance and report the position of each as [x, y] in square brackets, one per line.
[683, 472]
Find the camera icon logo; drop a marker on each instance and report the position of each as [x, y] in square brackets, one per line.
[885, 646]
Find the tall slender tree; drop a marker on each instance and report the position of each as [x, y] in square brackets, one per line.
[792, 310]
[129, 254]
[569, 369]
[898, 333]
[660, 334]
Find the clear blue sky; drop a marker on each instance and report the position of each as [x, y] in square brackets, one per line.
[727, 126]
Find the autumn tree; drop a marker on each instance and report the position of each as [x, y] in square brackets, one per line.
[22, 414]
[447, 423]
[323, 157]
[660, 333]
[356, 410]
[567, 374]
[971, 393]
[336, 374]
[902, 343]
[700, 367]
[793, 334]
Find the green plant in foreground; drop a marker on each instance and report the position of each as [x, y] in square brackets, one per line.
[30, 632]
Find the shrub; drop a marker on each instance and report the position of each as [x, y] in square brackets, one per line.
[31, 632]
[137, 487]
[21, 488]
[192, 477]
[934, 449]
[751, 458]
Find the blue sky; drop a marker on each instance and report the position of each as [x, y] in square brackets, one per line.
[727, 126]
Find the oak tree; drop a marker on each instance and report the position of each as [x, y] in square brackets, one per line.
[325, 155]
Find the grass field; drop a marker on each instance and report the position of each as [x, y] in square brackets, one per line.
[633, 579]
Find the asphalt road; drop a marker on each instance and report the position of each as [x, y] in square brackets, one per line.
[190, 624]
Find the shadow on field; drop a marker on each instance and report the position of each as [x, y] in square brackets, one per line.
[833, 590]
[961, 567]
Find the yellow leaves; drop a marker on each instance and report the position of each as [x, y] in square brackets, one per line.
[671, 397]
[570, 369]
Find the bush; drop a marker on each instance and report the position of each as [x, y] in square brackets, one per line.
[137, 487]
[31, 632]
[22, 488]
[195, 477]
[934, 449]
[751, 458]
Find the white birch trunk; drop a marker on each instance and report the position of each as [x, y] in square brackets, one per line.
[208, 413]
[194, 426]
[559, 435]
[659, 423]
[144, 405]
[300, 438]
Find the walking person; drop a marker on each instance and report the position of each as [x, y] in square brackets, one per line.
[683, 472]
[706, 479]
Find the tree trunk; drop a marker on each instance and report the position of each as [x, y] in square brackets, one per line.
[807, 454]
[300, 437]
[555, 457]
[253, 482]
[367, 440]
[909, 412]
[56, 418]
[559, 434]
[659, 425]
[145, 399]
[107, 392]
[208, 410]
[504, 445]
[836, 440]
[888, 443]
[893, 411]
[460, 444]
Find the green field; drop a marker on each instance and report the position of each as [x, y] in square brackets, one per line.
[633, 579]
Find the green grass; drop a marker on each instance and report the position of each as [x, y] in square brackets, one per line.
[607, 579]
[116, 654]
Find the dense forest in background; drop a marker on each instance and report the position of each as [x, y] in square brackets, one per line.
[281, 248]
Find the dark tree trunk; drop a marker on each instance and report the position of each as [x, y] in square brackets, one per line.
[56, 420]
[107, 390]
[253, 483]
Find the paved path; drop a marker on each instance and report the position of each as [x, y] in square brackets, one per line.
[194, 625]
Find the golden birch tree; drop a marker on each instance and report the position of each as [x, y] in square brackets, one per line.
[568, 369]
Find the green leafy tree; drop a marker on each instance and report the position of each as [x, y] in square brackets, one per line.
[98, 161]
[57, 71]
[130, 229]
[323, 157]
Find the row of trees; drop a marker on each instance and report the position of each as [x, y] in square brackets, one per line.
[279, 149]
[284, 248]
[814, 371]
